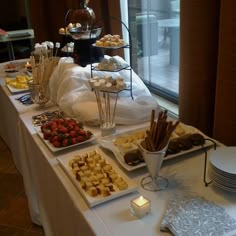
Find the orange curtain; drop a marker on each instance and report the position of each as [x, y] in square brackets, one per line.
[207, 83]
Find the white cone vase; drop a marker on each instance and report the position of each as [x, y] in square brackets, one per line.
[153, 160]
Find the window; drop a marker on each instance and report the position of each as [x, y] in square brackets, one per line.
[154, 28]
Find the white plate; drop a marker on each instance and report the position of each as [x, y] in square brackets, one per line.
[108, 143]
[123, 66]
[224, 159]
[57, 149]
[15, 90]
[93, 201]
[222, 180]
[223, 187]
[111, 47]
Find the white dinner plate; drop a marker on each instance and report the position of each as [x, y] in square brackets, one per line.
[221, 179]
[222, 173]
[224, 159]
[223, 187]
[93, 201]
[57, 149]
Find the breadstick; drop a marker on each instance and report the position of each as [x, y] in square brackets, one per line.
[170, 130]
[152, 119]
[152, 146]
[160, 131]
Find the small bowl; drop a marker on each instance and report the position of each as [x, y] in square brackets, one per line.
[11, 73]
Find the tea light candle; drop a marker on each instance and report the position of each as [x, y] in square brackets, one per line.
[28, 66]
[140, 206]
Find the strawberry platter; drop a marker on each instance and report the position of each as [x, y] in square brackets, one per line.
[62, 133]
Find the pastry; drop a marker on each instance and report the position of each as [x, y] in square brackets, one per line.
[197, 139]
[185, 142]
[133, 158]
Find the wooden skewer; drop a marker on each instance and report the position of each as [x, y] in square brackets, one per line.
[150, 141]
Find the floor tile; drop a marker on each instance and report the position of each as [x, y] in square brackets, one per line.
[11, 184]
[12, 231]
[33, 233]
[38, 230]
[16, 213]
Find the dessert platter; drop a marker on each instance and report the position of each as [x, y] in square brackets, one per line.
[63, 133]
[94, 175]
[111, 64]
[110, 42]
[185, 139]
[19, 84]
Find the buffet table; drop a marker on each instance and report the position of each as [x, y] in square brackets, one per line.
[57, 205]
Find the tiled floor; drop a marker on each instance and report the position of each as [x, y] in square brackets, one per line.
[14, 214]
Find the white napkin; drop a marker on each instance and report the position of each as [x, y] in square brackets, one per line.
[196, 216]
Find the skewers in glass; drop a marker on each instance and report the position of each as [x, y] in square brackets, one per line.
[106, 91]
[41, 73]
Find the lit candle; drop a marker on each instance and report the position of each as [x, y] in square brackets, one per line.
[27, 65]
[140, 206]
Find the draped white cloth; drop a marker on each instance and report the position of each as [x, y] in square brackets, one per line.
[70, 90]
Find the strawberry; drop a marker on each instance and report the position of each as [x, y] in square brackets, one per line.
[63, 130]
[74, 140]
[73, 133]
[76, 128]
[70, 127]
[53, 125]
[46, 136]
[56, 144]
[81, 132]
[80, 139]
[65, 143]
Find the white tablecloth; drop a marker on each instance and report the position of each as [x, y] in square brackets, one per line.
[55, 203]
[64, 212]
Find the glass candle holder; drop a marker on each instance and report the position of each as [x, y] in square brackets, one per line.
[140, 206]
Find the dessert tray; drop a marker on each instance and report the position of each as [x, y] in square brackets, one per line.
[111, 47]
[122, 66]
[15, 90]
[17, 84]
[109, 142]
[57, 149]
[95, 176]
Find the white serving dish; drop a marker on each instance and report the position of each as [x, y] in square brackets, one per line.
[15, 90]
[93, 201]
[108, 143]
[57, 149]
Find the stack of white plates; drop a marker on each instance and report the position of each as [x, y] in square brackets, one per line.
[222, 168]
